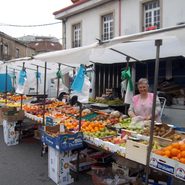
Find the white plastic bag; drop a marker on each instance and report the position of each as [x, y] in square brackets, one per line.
[83, 97]
[137, 123]
[129, 94]
[22, 88]
[61, 85]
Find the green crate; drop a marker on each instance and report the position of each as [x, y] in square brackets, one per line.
[89, 116]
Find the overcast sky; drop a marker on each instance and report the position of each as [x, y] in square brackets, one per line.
[34, 12]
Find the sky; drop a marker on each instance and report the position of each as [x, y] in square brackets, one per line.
[34, 12]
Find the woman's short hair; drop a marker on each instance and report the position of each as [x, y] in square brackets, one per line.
[142, 81]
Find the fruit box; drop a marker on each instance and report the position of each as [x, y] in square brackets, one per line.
[179, 132]
[67, 141]
[180, 171]
[161, 163]
[84, 164]
[137, 151]
[11, 114]
[51, 121]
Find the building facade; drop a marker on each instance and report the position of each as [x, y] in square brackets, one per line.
[86, 20]
[11, 48]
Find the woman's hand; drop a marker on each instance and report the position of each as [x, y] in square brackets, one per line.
[146, 118]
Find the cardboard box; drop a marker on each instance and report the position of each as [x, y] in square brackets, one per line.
[84, 164]
[11, 114]
[62, 142]
[163, 164]
[88, 139]
[58, 166]
[52, 121]
[11, 137]
[180, 171]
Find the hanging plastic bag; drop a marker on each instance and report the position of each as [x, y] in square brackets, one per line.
[61, 85]
[83, 97]
[129, 95]
[22, 88]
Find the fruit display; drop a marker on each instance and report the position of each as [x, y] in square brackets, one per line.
[160, 131]
[116, 140]
[17, 98]
[175, 151]
[155, 145]
[4, 101]
[104, 132]
[123, 123]
[110, 102]
[174, 137]
[100, 117]
[15, 104]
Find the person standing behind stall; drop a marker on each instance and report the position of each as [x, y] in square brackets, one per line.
[142, 103]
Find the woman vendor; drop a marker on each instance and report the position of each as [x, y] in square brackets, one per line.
[141, 104]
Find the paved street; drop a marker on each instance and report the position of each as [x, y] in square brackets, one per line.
[22, 164]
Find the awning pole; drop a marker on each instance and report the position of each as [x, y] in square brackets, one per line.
[37, 82]
[6, 85]
[58, 80]
[44, 103]
[158, 43]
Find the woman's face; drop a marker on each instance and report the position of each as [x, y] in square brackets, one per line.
[143, 89]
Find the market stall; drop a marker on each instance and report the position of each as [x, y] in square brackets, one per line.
[107, 139]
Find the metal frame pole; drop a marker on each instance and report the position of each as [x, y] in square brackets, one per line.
[44, 103]
[6, 85]
[158, 43]
[13, 79]
[37, 82]
[58, 81]
[80, 119]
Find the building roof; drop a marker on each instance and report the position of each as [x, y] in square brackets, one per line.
[71, 6]
[45, 45]
[12, 38]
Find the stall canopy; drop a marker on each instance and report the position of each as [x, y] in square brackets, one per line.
[141, 46]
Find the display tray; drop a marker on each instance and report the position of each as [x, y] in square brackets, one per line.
[101, 105]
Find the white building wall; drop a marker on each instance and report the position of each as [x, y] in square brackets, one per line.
[172, 12]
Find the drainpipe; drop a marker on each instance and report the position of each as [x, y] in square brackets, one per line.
[64, 33]
[119, 17]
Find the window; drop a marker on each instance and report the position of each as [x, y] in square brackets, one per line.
[5, 49]
[17, 53]
[107, 21]
[152, 16]
[76, 35]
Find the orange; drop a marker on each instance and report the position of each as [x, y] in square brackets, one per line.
[174, 158]
[165, 156]
[182, 160]
[160, 152]
[183, 154]
[182, 148]
[167, 148]
[168, 153]
[176, 145]
[179, 155]
[174, 151]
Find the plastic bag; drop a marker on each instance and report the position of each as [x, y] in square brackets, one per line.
[83, 97]
[22, 88]
[137, 123]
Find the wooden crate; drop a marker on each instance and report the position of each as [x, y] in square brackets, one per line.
[37, 134]
[136, 151]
